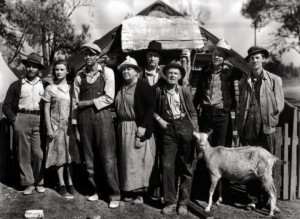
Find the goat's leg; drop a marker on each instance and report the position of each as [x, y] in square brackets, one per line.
[271, 190]
[220, 190]
[214, 182]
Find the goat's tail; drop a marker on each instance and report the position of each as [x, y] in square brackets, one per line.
[281, 162]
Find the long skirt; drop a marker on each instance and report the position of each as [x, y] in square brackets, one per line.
[136, 165]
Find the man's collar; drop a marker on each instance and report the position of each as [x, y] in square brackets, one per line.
[34, 81]
[176, 89]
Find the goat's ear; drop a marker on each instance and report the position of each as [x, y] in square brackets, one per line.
[209, 133]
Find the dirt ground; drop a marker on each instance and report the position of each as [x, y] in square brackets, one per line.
[13, 206]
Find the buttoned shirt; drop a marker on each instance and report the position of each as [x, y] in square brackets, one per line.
[31, 93]
[109, 89]
[174, 109]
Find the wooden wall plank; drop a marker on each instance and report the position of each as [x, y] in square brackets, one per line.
[277, 167]
[293, 173]
[298, 158]
[286, 158]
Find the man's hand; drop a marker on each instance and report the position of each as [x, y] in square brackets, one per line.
[185, 53]
[140, 132]
[164, 124]
[85, 103]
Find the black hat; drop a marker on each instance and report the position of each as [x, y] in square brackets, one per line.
[155, 46]
[256, 49]
[35, 59]
[175, 64]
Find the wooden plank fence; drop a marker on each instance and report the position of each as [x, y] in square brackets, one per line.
[287, 148]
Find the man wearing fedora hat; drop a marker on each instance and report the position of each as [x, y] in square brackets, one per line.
[215, 94]
[178, 120]
[22, 107]
[152, 74]
[94, 92]
[261, 102]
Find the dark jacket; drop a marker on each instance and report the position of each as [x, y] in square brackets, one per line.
[144, 107]
[11, 103]
[227, 86]
[185, 99]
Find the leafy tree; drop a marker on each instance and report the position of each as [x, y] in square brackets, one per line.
[286, 13]
[45, 24]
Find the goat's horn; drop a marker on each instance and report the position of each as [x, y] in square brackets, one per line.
[209, 133]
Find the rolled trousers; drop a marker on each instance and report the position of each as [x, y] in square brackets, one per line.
[177, 139]
[99, 148]
[29, 152]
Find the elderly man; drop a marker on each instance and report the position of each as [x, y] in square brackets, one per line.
[94, 92]
[261, 102]
[23, 107]
[215, 94]
[177, 118]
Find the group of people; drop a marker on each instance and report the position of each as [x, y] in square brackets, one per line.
[157, 122]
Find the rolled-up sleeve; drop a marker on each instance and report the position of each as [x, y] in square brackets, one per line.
[75, 98]
[109, 90]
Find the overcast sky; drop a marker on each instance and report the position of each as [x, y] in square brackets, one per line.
[223, 19]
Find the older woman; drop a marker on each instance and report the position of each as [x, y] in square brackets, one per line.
[135, 105]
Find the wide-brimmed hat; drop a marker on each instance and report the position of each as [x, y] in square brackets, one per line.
[255, 50]
[155, 46]
[175, 64]
[91, 46]
[35, 59]
[130, 62]
[222, 45]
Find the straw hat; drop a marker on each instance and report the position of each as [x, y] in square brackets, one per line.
[222, 45]
[130, 62]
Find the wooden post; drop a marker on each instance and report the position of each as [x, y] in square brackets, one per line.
[278, 168]
[286, 158]
[293, 173]
[298, 157]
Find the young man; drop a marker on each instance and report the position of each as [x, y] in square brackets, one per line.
[177, 118]
[215, 94]
[94, 92]
[23, 107]
[261, 102]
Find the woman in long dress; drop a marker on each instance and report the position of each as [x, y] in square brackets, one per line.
[135, 105]
[57, 114]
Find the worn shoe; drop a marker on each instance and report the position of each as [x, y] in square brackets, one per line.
[127, 199]
[63, 192]
[168, 209]
[182, 210]
[114, 204]
[250, 207]
[138, 200]
[71, 189]
[28, 190]
[94, 197]
[40, 189]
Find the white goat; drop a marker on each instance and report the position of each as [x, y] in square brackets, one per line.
[238, 165]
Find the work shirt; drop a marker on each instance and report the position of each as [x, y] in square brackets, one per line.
[31, 93]
[214, 96]
[174, 107]
[102, 101]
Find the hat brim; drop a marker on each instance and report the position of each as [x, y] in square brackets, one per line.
[83, 48]
[25, 62]
[263, 51]
[213, 47]
[181, 69]
[139, 69]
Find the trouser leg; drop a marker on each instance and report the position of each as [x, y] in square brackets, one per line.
[106, 153]
[169, 153]
[22, 130]
[37, 152]
[220, 125]
[86, 137]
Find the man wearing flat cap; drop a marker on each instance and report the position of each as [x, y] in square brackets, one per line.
[94, 92]
[215, 94]
[178, 122]
[261, 102]
[23, 108]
